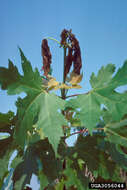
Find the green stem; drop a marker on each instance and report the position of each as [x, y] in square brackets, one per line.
[77, 95]
[50, 38]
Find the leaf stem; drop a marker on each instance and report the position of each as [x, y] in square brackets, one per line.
[50, 38]
[76, 95]
[78, 132]
[83, 131]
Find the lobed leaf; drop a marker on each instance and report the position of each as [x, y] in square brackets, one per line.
[104, 76]
[103, 93]
[6, 122]
[117, 156]
[37, 107]
[24, 170]
[45, 106]
[95, 159]
[72, 178]
[117, 132]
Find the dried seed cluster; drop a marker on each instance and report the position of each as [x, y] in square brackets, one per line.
[69, 41]
[46, 55]
[64, 35]
[74, 53]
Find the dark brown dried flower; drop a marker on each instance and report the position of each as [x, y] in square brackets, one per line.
[64, 35]
[74, 53]
[46, 55]
[77, 54]
[77, 61]
[68, 63]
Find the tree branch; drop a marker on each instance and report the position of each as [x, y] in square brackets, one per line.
[76, 95]
[63, 96]
[83, 131]
[78, 132]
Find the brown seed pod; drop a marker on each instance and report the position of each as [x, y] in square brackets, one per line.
[74, 53]
[77, 54]
[64, 35]
[68, 63]
[77, 61]
[46, 55]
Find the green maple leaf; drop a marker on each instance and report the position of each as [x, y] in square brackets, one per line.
[52, 121]
[6, 144]
[104, 76]
[7, 148]
[108, 169]
[6, 121]
[95, 159]
[115, 152]
[117, 132]
[15, 83]
[46, 105]
[5, 118]
[103, 93]
[19, 183]
[4, 161]
[25, 167]
[43, 180]
[8, 182]
[16, 161]
[60, 185]
[45, 155]
[38, 107]
[72, 178]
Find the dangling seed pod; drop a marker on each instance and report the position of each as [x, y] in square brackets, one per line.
[77, 61]
[46, 55]
[68, 62]
[74, 53]
[64, 35]
[77, 54]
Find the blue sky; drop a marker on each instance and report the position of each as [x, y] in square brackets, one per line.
[99, 25]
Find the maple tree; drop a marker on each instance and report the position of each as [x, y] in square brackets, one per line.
[43, 122]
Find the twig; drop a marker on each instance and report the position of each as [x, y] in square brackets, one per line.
[63, 90]
[99, 129]
[72, 95]
[78, 132]
[83, 131]
[50, 38]
[76, 95]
